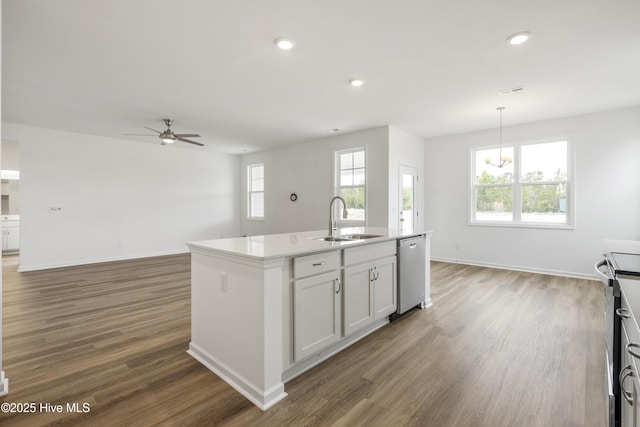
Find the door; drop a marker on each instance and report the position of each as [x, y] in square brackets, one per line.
[408, 212]
[385, 289]
[358, 297]
[316, 313]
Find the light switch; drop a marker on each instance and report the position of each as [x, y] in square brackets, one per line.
[223, 281]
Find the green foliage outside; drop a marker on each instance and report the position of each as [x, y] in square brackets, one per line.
[407, 195]
[354, 197]
[539, 198]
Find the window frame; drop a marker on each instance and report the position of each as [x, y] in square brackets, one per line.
[337, 214]
[518, 184]
[251, 191]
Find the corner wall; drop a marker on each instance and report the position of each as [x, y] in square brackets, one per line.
[607, 196]
[118, 199]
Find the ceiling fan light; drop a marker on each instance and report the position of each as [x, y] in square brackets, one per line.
[168, 140]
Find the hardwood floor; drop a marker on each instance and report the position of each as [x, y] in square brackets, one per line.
[498, 348]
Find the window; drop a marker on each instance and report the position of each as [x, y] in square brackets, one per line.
[532, 190]
[350, 168]
[255, 181]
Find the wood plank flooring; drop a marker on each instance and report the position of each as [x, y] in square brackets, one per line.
[498, 348]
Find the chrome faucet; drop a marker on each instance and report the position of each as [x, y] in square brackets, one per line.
[344, 212]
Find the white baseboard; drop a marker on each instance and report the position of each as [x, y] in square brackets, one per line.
[517, 268]
[263, 399]
[23, 268]
[4, 384]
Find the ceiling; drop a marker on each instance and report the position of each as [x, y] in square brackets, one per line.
[431, 67]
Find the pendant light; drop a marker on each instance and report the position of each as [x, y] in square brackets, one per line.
[502, 160]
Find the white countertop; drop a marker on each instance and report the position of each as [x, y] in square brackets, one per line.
[292, 244]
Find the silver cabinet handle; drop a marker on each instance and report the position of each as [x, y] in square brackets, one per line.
[628, 395]
[622, 312]
[339, 285]
[633, 345]
[318, 264]
[373, 274]
[413, 245]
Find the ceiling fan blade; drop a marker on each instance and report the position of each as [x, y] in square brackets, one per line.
[187, 135]
[189, 141]
[157, 131]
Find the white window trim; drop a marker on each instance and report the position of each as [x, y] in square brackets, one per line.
[517, 202]
[249, 192]
[337, 214]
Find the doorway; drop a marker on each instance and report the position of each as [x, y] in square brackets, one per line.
[408, 205]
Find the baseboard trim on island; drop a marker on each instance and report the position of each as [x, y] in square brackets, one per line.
[263, 399]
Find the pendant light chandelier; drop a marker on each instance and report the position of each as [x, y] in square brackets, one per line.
[502, 159]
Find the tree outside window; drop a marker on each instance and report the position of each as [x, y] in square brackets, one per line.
[533, 189]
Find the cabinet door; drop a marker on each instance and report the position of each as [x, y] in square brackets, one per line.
[11, 239]
[358, 297]
[316, 313]
[385, 289]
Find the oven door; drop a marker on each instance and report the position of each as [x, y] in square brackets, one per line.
[612, 341]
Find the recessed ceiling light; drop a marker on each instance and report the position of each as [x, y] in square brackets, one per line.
[518, 38]
[356, 82]
[284, 43]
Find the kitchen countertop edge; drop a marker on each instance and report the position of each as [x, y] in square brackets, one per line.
[272, 246]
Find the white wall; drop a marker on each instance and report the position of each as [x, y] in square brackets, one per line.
[119, 199]
[407, 150]
[308, 170]
[4, 383]
[607, 196]
[10, 155]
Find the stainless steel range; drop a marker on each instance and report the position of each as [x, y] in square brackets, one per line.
[609, 269]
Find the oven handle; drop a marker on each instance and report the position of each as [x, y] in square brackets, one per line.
[603, 276]
[628, 395]
[623, 313]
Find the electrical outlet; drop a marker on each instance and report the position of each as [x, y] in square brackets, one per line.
[223, 281]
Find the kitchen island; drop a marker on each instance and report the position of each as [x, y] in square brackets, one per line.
[264, 309]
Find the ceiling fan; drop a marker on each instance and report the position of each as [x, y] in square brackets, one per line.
[168, 137]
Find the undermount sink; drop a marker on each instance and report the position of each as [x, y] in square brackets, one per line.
[348, 237]
[334, 239]
[361, 236]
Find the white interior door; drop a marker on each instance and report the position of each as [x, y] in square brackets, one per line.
[408, 206]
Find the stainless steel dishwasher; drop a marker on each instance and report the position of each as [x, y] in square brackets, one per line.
[411, 273]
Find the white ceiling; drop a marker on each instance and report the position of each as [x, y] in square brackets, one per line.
[432, 67]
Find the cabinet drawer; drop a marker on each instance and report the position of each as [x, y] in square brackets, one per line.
[314, 264]
[368, 253]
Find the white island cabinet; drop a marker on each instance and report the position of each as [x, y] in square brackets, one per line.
[264, 309]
